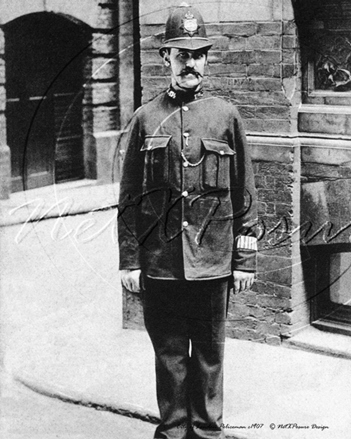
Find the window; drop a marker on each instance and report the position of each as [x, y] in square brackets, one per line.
[325, 38]
[331, 298]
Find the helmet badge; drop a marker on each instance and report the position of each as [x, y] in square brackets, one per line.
[190, 24]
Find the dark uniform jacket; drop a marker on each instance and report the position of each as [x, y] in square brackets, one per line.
[187, 205]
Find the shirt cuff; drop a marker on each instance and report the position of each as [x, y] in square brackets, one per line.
[246, 242]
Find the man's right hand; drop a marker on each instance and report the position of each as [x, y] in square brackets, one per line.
[131, 279]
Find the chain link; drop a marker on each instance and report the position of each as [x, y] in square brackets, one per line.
[189, 163]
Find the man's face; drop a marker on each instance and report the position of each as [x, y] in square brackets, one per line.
[187, 67]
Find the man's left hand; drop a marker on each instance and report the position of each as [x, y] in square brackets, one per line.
[243, 280]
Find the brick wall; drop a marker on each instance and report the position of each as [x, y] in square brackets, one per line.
[112, 70]
[101, 92]
[264, 314]
[110, 95]
[103, 85]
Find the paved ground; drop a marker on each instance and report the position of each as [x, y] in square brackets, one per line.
[26, 414]
[53, 273]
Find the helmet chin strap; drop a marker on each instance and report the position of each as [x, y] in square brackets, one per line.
[185, 88]
[188, 89]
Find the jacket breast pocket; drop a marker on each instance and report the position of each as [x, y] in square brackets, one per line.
[216, 164]
[156, 162]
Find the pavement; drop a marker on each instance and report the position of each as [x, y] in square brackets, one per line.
[62, 336]
[27, 414]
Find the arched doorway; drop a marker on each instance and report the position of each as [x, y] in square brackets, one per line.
[45, 57]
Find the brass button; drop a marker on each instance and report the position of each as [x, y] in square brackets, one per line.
[185, 108]
[222, 152]
[185, 224]
[185, 193]
[185, 164]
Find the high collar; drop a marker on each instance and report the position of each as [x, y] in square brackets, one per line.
[184, 96]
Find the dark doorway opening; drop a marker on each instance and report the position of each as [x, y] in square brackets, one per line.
[45, 58]
[327, 270]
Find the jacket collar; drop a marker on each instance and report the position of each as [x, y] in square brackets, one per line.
[184, 96]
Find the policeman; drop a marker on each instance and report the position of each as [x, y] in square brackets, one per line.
[187, 218]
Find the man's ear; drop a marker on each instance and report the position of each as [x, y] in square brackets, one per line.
[165, 56]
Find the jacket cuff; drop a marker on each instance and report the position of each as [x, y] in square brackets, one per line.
[245, 253]
[245, 260]
[129, 262]
[123, 267]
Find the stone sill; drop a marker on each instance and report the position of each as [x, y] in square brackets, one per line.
[303, 137]
[325, 109]
[316, 148]
[317, 341]
[64, 199]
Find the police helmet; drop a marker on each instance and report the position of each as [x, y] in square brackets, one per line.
[185, 29]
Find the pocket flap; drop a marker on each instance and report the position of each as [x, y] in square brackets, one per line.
[153, 142]
[219, 147]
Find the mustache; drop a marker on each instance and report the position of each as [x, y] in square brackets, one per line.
[189, 70]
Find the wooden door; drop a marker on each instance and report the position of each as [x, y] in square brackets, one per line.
[45, 54]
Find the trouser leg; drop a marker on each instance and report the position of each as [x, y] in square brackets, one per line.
[207, 334]
[189, 389]
[165, 321]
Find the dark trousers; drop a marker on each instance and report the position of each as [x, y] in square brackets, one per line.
[186, 323]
